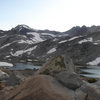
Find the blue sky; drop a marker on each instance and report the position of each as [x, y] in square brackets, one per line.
[57, 15]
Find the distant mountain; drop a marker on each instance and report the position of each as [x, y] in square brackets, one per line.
[77, 30]
[25, 44]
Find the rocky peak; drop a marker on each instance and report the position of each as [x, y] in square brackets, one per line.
[94, 29]
[77, 30]
[23, 28]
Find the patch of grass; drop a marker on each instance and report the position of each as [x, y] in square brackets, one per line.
[46, 72]
[93, 80]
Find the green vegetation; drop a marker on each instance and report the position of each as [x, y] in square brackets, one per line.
[46, 72]
[60, 63]
[93, 80]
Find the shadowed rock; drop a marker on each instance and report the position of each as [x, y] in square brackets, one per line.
[70, 80]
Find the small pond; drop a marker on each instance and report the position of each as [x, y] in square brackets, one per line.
[22, 66]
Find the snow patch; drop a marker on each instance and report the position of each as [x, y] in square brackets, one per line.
[29, 59]
[55, 39]
[6, 45]
[51, 50]
[63, 41]
[95, 43]
[86, 40]
[36, 37]
[8, 56]
[3, 36]
[27, 41]
[73, 38]
[94, 62]
[20, 52]
[48, 34]
[6, 64]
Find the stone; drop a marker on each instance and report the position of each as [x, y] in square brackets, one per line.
[70, 80]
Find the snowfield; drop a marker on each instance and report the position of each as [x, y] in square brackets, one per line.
[48, 34]
[6, 64]
[36, 37]
[73, 38]
[25, 41]
[86, 40]
[51, 50]
[63, 41]
[20, 52]
[94, 62]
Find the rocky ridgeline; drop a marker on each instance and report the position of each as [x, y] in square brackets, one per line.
[56, 80]
[24, 44]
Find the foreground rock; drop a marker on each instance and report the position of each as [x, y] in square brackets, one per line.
[69, 80]
[40, 87]
[3, 75]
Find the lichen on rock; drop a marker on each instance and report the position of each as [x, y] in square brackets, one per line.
[55, 65]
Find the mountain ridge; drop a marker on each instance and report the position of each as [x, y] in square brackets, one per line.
[29, 44]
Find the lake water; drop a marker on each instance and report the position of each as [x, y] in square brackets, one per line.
[22, 66]
[90, 71]
[87, 71]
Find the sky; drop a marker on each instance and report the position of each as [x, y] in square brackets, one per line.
[59, 15]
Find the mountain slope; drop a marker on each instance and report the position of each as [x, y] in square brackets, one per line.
[23, 44]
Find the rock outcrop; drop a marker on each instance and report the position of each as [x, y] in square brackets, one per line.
[40, 87]
[56, 65]
[3, 75]
[69, 80]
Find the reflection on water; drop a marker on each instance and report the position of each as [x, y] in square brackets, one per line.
[91, 75]
[21, 66]
[90, 71]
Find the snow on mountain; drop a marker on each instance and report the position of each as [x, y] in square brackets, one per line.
[20, 52]
[63, 41]
[94, 62]
[23, 42]
[36, 36]
[73, 38]
[6, 45]
[86, 40]
[51, 50]
[48, 34]
[6, 64]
